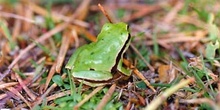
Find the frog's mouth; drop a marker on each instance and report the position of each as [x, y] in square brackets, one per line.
[93, 83]
[116, 77]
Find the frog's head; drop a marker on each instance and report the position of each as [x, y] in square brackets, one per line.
[118, 31]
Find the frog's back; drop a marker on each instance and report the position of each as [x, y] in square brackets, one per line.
[101, 55]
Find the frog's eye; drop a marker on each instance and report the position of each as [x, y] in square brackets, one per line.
[92, 69]
[106, 27]
[128, 27]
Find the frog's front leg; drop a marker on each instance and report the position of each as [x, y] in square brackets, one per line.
[71, 62]
[123, 70]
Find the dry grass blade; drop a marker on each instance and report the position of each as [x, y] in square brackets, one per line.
[62, 53]
[5, 85]
[17, 25]
[142, 12]
[162, 97]
[177, 40]
[1, 59]
[4, 29]
[200, 101]
[141, 99]
[40, 40]
[88, 34]
[39, 99]
[82, 10]
[75, 37]
[50, 75]
[142, 58]
[11, 15]
[128, 106]
[88, 97]
[106, 98]
[28, 13]
[81, 30]
[193, 21]
[16, 29]
[43, 12]
[14, 91]
[148, 35]
[172, 14]
[2, 96]
[24, 86]
[58, 95]
[56, 16]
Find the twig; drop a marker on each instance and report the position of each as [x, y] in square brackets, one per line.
[106, 98]
[139, 74]
[105, 13]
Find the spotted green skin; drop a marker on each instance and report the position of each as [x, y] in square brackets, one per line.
[95, 61]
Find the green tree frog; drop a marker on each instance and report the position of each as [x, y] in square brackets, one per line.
[95, 63]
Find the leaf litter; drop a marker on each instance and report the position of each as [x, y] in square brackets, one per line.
[174, 54]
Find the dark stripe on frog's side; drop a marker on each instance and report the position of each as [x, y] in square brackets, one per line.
[114, 68]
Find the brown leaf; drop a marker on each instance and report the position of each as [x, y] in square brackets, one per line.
[166, 73]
